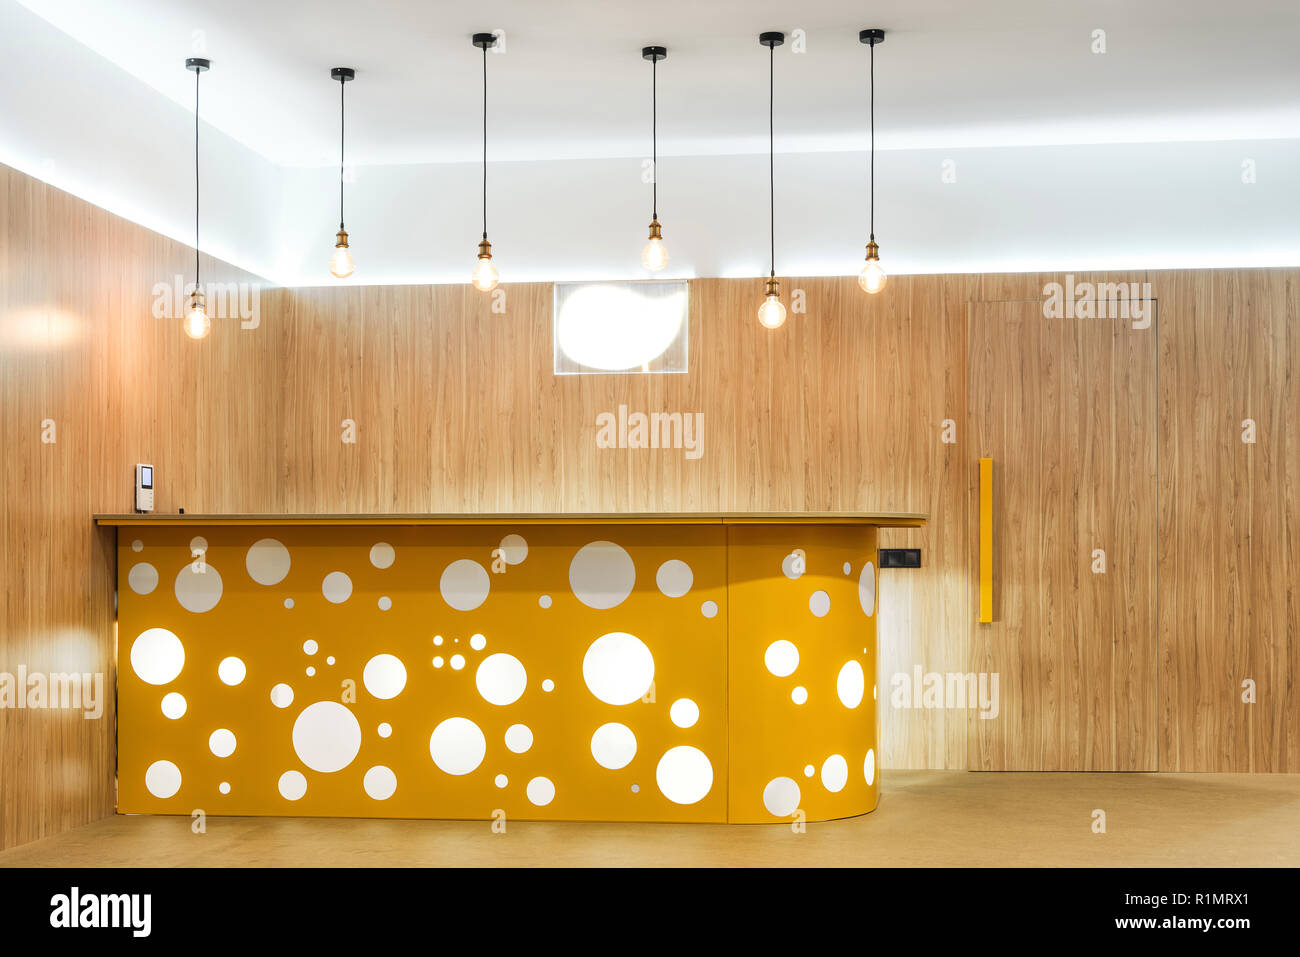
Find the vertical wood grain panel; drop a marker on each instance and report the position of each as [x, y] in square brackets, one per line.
[79, 345]
[1230, 520]
[1067, 408]
[456, 408]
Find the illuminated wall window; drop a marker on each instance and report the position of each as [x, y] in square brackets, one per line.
[621, 327]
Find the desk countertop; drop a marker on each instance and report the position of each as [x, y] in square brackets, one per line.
[879, 519]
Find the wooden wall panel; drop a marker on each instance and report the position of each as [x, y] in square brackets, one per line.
[456, 408]
[79, 345]
[1230, 520]
[1066, 409]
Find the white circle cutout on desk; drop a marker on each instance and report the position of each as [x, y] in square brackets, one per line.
[162, 779]
[613, 746]
[799, 695]
[540, 791]
[231, 671]
[379, 783]
[198, 591]
[292, 785]
[835, 773]
[310, 647]
[336, 587]
[869, 767]
[819, 603]
[282, 695]
[709, 609]
[457, 746]
[501, 679]
[684, 775]
[222, 742]
[618, 668]
[519, 738]
[851, 684]
[157, 656]
[174, 705]
[464, 584]
[326, 736]
[267, 561]
[781, 797]
[792, 566]
[143, 578]
[514, 549]
[867, 588]
[384, 676]
[602, 575]
[382, 554]
[684, 713]
[781, 658]
[674, 578]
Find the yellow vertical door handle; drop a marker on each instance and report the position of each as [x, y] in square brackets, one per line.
[986, 540]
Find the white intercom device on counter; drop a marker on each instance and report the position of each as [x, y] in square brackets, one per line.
[144, 488]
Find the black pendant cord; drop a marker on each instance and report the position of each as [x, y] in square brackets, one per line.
[873, 142]
[484, 142]
[654, 138]
[342, 141]
[771, 154]
[196, 180]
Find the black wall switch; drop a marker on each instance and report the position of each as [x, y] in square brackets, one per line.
[900, 558]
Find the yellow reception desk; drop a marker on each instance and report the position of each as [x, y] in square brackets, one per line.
[668, 667]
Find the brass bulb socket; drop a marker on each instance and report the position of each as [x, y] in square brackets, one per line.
[196, 299]
[773, 287]
[341, 239]
[656, 231]
[873, 251]
[485, 250]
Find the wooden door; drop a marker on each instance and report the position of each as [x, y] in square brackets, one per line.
[1066, 408]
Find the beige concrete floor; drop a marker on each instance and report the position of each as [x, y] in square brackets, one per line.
[925, 818]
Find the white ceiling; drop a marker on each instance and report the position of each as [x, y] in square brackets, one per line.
[571, 83]
[1064, 159]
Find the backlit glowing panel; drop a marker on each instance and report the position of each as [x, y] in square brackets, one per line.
[625, 327]
[802, 672]
[550, 671]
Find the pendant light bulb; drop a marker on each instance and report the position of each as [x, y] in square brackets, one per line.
[771, 314]
[872, 278]
[197, 323]
[341, 263]
[655, 256]
[485, 277]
